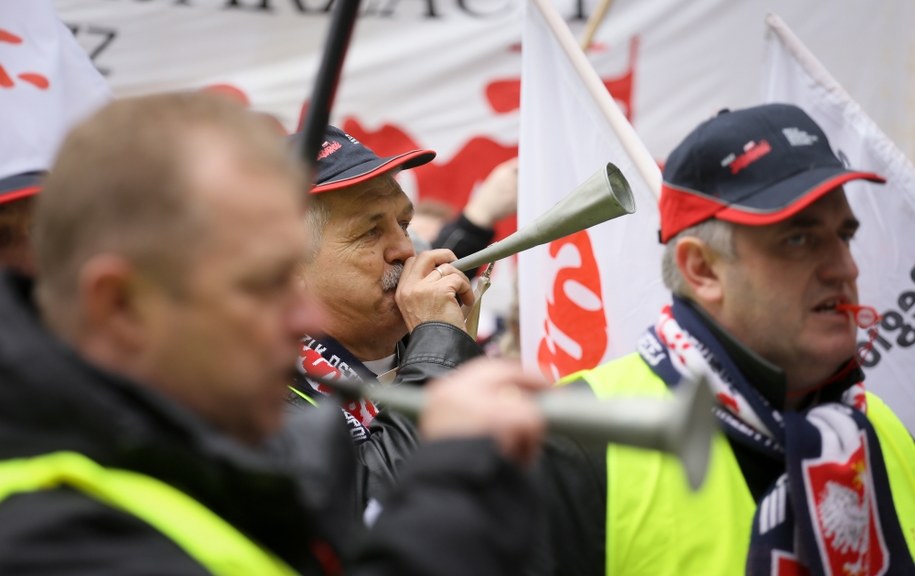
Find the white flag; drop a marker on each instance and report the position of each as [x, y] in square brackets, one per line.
[46, 84]
[885, 245]
[584, 299]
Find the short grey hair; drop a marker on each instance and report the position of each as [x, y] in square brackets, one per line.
[716, 234]
[317, 214]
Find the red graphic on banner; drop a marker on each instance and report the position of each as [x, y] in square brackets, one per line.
[450, 181]
[240, 96]
[9, 37]
[36, 80]
[504, 96]
[230, 90]
[584, 323]
[6, 81]
[845, 523]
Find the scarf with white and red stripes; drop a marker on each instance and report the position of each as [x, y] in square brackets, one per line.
[831, 511]
[326, 358]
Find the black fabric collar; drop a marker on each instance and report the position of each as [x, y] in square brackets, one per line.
[51, 379]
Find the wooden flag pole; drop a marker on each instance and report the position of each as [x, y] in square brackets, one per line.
[644, 163]
[597, 17]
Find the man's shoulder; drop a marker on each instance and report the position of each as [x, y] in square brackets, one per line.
[887, 424]
[63, 531]
[628, 375]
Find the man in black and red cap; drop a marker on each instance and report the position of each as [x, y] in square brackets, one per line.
[375, 291]
[810, 474]
[16, 194]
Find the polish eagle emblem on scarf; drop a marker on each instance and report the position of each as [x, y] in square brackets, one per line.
[845, 515]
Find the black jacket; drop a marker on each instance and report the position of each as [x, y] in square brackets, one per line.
[430, 351]
[289, 496]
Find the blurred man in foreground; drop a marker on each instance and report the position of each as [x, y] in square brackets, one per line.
[142, 402]
[811, 474]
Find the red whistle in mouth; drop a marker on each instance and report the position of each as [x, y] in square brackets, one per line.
[864, 316]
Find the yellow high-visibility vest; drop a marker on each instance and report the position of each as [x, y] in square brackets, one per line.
[656, 525]
[204, 536]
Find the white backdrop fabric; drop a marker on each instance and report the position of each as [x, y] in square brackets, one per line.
[46, 84]
[444, 74]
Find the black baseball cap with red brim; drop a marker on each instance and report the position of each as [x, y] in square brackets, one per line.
[20, 186]
[756, 167]
[343, 161]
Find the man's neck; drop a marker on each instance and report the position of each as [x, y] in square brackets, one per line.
[766, 377]
[770, 380]
[368, 350]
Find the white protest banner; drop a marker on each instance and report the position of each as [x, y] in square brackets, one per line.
[445, 74]
[585, 298]
[884, 247]
[47, 83]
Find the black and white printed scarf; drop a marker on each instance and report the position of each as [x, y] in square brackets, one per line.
[831, 511]
[327, 358]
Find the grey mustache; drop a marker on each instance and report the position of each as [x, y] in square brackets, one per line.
[391, 277]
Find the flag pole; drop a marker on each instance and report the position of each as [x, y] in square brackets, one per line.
[811, 63]
[597, 17]
[342, 22]
[821, 75]
[644, 163]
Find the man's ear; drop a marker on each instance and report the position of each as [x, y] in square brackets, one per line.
[110, 290]
[699, 266]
